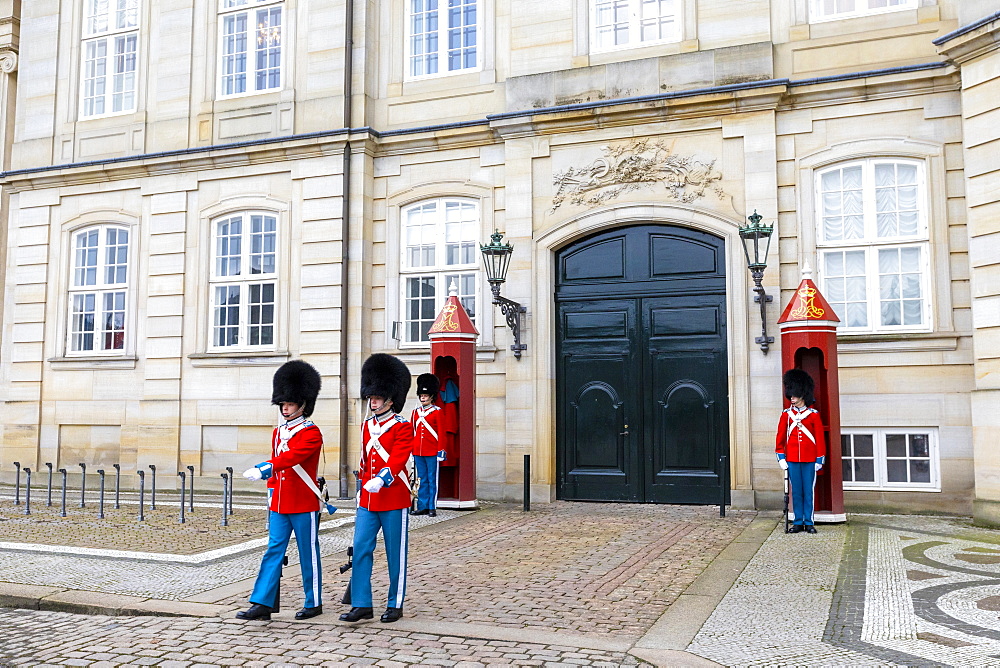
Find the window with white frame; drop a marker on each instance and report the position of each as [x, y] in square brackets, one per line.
[440, 247]
[617, 24]
[890, 459]
[244, 281]
[873, 244]
[832, 10]
[443, 36]
[110, 50]
[250, 43]
[98, 290]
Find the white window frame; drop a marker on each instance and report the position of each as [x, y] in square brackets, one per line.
[881, 459]
[818, 12]
[634, 24]
[442, 35]
[871, 245]
[245, 283]
[99, 290]
[111, 26]
[440, 271]
[256, 34]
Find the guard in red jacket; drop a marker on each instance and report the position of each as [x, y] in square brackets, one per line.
[293, 495]
[800, 446]
[384, 498]
[427, 449]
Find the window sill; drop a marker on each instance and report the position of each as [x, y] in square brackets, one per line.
[858, 488]
[902, 342]
[484, 353]
[239, 358]
[92, 362]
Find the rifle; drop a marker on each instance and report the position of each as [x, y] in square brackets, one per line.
[785, 508]
[346, 600]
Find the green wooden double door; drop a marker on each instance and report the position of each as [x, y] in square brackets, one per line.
[642, 382]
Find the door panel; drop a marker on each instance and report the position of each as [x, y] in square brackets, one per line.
[597, 377]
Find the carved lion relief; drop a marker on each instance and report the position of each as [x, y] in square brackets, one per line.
[642, 163]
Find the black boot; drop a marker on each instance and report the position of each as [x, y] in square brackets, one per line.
[309, 613]
[357, 614]
[255, 611]
[391, 615]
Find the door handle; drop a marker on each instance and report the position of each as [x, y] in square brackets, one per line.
[624, 433]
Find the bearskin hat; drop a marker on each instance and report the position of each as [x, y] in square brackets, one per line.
[385, 376]
[798, 383]
[428, 383]
[296, 382]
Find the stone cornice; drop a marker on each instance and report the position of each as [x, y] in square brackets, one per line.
[973, 41]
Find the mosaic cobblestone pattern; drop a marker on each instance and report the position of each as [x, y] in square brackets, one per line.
[37, 639]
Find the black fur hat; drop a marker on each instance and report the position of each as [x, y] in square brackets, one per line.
[385, 376]
[428, 383]
[296, 382]
[798, 383]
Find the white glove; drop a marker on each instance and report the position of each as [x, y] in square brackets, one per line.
[818, 466]
[253, 473]
[374, 485]
[783, 464]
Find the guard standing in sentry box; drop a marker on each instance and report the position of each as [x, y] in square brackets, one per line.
[800, 446]
[427, 452]
[294, 497]
[384, 498]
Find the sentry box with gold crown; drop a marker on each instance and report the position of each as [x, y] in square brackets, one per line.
[453, 361]
[809, 342]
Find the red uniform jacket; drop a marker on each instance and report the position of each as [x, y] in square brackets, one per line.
[800, 435]
[386, 443]
[427, 430]
[291, 495]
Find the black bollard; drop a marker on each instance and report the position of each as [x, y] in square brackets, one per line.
[225, 493]
[100, 512]
[63, 513]
[229, 470]
[17, 484]
[183, 493]
[191, 478]
[725, 484]
[142, 494]
[83, 485]
[27, 492]
[152, 502]
[118, 485]
[49, 465]
[527, 483]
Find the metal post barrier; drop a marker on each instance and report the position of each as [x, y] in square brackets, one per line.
[225, 493]
[152, 502]
[49, 465]
[27, 492]
[83, 485]
[17, 483]
[63, 513]
[118, 485]
[232, 478]
[191, 480]
[182, 475]
[527, 483]
[725, 484]
[100, 512]
[142, 494]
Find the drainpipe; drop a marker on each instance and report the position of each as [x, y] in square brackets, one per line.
[345, 215]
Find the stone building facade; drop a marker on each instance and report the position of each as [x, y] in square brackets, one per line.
[195, 191]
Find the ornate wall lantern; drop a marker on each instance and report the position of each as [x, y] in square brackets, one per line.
[761, 237]
[496, 257]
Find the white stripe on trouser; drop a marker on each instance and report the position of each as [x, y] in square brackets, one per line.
[404, 526]
[314, 549]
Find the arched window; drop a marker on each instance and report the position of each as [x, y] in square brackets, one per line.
[440, 248]
[873, 244]
[243, 280]
[98, 291]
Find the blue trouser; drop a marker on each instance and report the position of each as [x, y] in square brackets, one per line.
[306, 528]
[395, 525]
[427, 471]
[802, 478]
